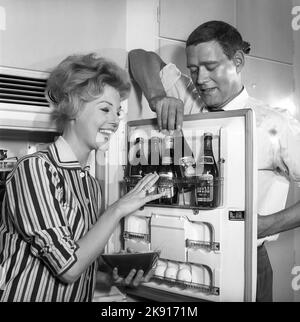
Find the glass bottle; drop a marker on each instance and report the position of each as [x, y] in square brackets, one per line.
[206, 192]
[137, 163]
[167, 173]
[154, 159]
[154, 163]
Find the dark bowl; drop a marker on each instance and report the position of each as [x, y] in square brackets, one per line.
[125, 262]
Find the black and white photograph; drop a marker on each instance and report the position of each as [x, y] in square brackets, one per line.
[149, 153]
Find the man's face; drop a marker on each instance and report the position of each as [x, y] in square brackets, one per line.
[213, 73]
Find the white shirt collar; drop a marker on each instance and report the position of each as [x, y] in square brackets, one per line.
[65, 152]
[63, 155]
[238, 102]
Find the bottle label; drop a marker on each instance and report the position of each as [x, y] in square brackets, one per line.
[167, 160]
[166, 175]
[168, 191]
[206, 160]
[169, 143]
[205, 188]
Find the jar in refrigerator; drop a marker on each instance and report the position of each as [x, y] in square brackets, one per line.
[187, 166]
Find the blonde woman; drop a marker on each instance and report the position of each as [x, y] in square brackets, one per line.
[51, 230]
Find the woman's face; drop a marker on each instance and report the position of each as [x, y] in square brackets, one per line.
[99, 119]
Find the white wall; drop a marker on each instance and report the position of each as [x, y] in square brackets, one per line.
[142, 31]
[40, 33]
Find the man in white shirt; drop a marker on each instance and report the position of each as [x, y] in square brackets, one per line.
[215, 57]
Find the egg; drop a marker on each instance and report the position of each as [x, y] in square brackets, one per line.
[160, 270]
[171, 272]
[184, 275]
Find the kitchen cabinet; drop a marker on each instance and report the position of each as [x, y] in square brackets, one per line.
[266, 24]
[39, 34]
[269, 81]
[178, 18]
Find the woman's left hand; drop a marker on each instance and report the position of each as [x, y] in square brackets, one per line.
[137, 197]
[133, 279]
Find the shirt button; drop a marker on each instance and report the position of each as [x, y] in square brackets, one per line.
[82, 174]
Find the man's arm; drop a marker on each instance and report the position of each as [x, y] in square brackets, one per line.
[280, 221]
[144, 68]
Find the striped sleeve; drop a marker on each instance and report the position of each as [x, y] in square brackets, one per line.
[36, 204]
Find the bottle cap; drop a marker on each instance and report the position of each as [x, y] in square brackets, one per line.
[139, 139]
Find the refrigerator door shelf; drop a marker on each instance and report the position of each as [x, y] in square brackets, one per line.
[136, 236]
[200, 235]
[137, 226]
[200, 244]
[137, 245]
[191, 279]
[168, 236]
[186, 188]
[202, 257]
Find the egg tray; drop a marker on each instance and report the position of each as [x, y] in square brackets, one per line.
[207, 289]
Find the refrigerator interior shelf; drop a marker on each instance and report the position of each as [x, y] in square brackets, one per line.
[208, 289]
[211, 246]
[138, 236]
[7, 164]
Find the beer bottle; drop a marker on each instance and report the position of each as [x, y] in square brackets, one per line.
[167, 173]
[154, 159]
[207, 186]
[154, 162]
[138, 160]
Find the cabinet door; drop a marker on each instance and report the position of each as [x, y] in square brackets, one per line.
[269, 81]
[173, 52]
[39, 34]
[179, 18]
[266, 24]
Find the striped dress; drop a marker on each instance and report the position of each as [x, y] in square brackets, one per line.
[49, 204]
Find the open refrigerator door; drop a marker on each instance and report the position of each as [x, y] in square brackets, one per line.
[207, 252]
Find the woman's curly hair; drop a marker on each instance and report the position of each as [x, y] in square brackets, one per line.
[79, 79]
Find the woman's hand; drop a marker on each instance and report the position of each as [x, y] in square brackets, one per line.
[137, 197]
[133, 279]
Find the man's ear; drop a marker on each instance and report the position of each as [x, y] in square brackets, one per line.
[239, 60]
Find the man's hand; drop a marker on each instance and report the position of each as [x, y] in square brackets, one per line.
[169, 112]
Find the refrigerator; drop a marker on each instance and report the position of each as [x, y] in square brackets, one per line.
[206, 254]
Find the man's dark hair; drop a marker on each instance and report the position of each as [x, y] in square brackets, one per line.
[226, 35]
